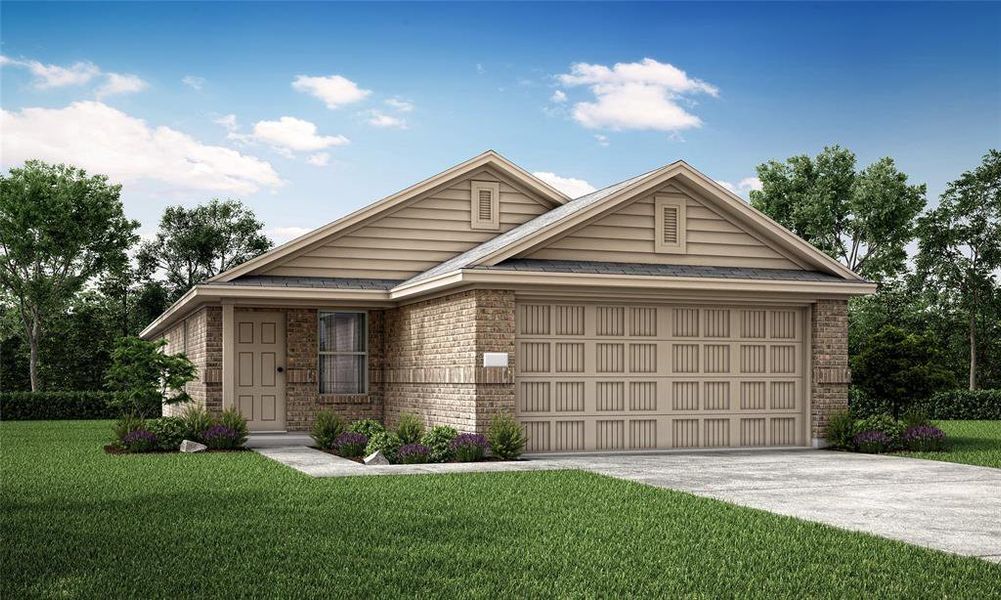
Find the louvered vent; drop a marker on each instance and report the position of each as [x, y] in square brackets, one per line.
[485, 206]
[670, 231]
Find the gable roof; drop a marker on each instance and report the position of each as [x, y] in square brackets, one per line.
[488, 158]
[576, 211]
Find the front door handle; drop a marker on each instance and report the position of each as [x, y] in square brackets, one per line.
[281, 369]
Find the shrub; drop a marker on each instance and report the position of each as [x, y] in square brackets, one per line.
[350, 444]
[507, 438]
[840, 429]
[169, 432]
[196, 420]
[872, 442]
[438, 439]
[862, 405]
[367, 427]
[915, 415]
[923, 438]
[140, 440]
[126, 425]
[145, 374]
[469, 447]
[234, 420]
[412, 454]
[33, 406]
[221, 437]
[965, 404]
[410, 429]
[884, 424]
[387, 441]
[326, 429]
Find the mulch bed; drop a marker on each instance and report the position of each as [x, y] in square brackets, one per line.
[113, 449]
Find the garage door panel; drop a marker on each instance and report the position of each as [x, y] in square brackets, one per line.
[633, 377]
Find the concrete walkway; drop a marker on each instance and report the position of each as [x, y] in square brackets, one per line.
[946, 506]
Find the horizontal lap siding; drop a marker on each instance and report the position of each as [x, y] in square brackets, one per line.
[414, 238]
[628, 236]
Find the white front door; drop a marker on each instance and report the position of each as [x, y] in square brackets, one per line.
[260, 369]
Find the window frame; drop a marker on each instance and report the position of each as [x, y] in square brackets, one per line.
[321, 353]
[679, 204]
[475, 222]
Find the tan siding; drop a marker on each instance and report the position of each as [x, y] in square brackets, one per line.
[628, 236]
[414, 238]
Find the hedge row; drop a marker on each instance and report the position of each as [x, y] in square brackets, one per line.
[965, 404]
[35, 406]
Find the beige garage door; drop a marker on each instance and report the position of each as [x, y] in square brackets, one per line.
[628, 377]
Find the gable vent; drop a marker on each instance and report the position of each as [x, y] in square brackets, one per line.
[669, 223]
[670, 216]
[485, 205]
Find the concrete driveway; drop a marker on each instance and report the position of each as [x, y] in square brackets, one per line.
[951, 507]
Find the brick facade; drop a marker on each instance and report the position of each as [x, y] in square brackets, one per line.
[199, 337]
[831, 375]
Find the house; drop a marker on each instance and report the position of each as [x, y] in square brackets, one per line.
[659, 312]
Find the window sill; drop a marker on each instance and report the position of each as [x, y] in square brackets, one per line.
[345, 398]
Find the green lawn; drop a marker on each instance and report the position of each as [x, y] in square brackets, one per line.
[970, 442]
[78, 523]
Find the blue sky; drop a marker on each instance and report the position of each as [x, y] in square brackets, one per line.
[182, 102]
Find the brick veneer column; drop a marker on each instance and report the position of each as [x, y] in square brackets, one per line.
[831, 375]
[199, 337]
[495, 332]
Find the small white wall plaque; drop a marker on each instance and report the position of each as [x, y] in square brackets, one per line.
[495, 359]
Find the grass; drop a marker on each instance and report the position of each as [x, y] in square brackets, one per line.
[76, 522]
[970, 442]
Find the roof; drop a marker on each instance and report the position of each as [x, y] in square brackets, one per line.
[334, 283]
[659, 270]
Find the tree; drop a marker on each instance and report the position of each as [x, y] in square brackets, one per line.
[147, 376]
[59, 229]
[863, 219]
[195, 244]
[898, 368]
[959, 250]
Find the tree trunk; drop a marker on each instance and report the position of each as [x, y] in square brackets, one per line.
[973, 351]
[33, 335]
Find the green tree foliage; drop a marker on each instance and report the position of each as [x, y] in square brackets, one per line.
[959, 254]
[195, 244]
[59, 228]
[899, 368]
[146, 375]
[862, 218]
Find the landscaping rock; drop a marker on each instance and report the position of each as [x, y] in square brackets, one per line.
[376, 458]
[190, 446]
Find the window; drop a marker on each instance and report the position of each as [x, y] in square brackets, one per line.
[343, 352]
[670, 225]
[485, 205]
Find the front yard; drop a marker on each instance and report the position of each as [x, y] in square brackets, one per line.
[970, 442]
[79, 523]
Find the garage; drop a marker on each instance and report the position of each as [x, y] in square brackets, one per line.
[606, 377]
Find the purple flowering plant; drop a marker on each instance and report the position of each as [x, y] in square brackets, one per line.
[872, 442]
[350, 444]
[923, 438]
[221, 437]
[412, 454]
[469, 447]
[140, 440]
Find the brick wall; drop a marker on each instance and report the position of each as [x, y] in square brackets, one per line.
[434, 357]
[199, 337]
[831, 375]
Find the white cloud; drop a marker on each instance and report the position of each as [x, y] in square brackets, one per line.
[283, 234]
[602, 139]
[227, 121]
[53, 76]
[102, 139]
[334, 90]
[194, 82]
[480, 69]
[568, 185]
[289, 134]
[400, 104]
[380, 119]
[639, 95]
[559, 97]
[742, 187]
[118, 83]
[320, 159]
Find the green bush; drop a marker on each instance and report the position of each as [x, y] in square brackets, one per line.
[507, 438]
[387, 441]
[884, 424]
[367, 427]
[327, 426]
[915, 416]
[169, 432]
[438, 439]
[125, 425]
[51, 406]
[972, 405]
[863, 405]
[196, 422]
[145, 374]
[234, 420]
[410, 428]
[841, 429]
